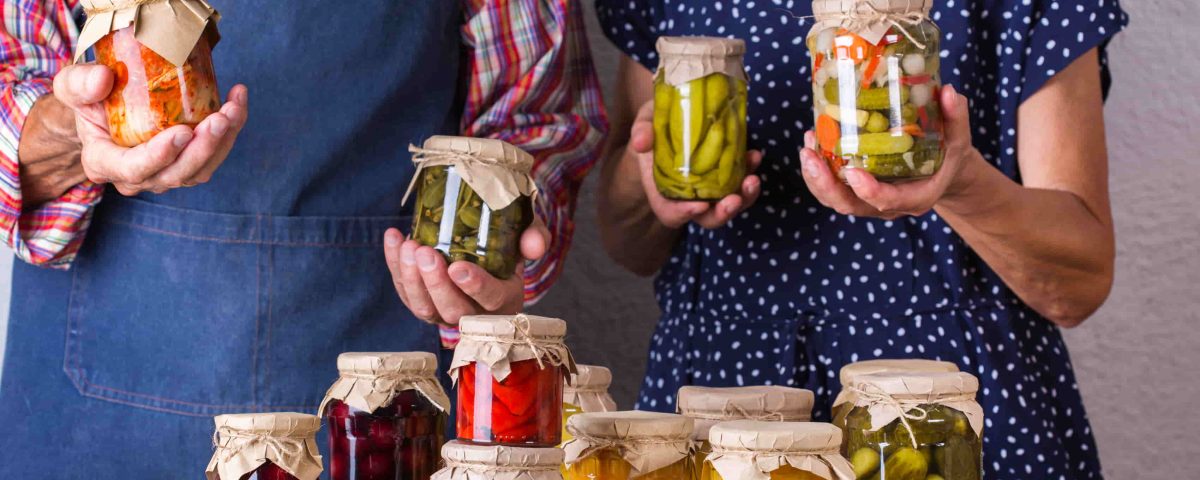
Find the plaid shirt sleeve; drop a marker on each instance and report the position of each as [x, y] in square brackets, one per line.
[36, 43]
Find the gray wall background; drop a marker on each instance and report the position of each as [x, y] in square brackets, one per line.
[1136, 359]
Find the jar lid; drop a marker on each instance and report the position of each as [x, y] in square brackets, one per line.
[590, 378]
[500, 340]
[918, 385]
[496, 170]
[509, 328]
[169, 28]
[704, 46]
[246, 441]
[683, 59]
[488, 149]
[279, 424]
[867, 367]
[499, 457]
[370, 380]
[630, 426]
[822, 8]
[767, 402]
[871, 19]
[787, 437]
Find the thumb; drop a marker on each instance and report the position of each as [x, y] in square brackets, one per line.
[957, 115]
[81, 85]
[535, 240]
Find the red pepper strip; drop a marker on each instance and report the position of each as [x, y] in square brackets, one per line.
[817, 61]
[835, 162]
[923, 117]
[869, 74]
[915, 79]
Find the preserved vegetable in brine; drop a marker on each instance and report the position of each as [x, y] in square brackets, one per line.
[626, 445]
[753, 450]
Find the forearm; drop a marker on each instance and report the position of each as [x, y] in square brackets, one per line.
[1053, 251]
[48, 153]
[631, 233]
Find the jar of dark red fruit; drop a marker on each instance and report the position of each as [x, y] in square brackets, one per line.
[386, 415]
[466, 461]
[509, 371]
[160, 53]
[265, 446]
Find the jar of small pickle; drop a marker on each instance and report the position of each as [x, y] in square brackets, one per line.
[509, 372]
[845, 399]
[875, 87]
[386, 415]
[466, 461]
[626, 445]
[162, 64]
[587, 392]
[708, 406]
[265, 446]
[754, 450]
[474, 198]
[699, 118]
[915, 426]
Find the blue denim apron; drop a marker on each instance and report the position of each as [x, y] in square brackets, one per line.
[238, 295]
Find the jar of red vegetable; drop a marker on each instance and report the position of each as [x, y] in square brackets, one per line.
[386, 415]
[465, 461]
[509, 372]
[161, 56]
[265, 446]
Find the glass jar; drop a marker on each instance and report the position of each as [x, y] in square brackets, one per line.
[151, 94]
[587, 392]
[509, 372]
[387, 417]
[473, 201]
[265, 446]
[845, 400]
[708, 406]
[699, 118]
[748, 449]
[626, 445]
[915, 425]
[875, 88]
[466, 461]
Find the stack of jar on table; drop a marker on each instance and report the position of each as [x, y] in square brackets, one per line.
[754, 450]
[708, 406]
[265, 446]
[627, 445]
[386, 415]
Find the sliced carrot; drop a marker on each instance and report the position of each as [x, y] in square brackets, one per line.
[911, 129]
[869, 73]
[851, 46]
[829, 132]
[835, 162]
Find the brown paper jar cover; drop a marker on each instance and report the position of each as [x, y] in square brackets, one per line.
[588, 389]
[501, 340]
[496, 170]
[370, 380]
[246, 441]
[751, 450]
[869, 19]
[710, 405]
[495, 462]
[885, 365]
[683, 59]
[887, 396]
[648, 441]
[170, 28]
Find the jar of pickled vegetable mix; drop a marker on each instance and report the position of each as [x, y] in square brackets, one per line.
[509, 372]
[755, 450]
[845, 398]
[474, 199]
[625, 445]
[708, 406]
[587, 392]
[914, 426]
[875, 87]
[162, 65]
[699, 118]
[465, 461]
[265, 446]
[386, 415]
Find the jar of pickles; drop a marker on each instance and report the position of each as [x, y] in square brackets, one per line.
[265, 446]
[474, 198]
[699, 118]
[465, 461]
[754, 450]
[626, 445]
[708, 406]
[509, 372]
[915, 426]
[161, 56]
[386, 415]
[587, 392]
[845, 398]
[875, 87]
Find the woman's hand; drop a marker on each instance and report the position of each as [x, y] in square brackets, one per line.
[441, 294]
[867, 197]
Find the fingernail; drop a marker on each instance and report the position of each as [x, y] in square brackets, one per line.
[218, 126]
[460, 275]
[181, 139]
[406, 257]
[391, 238]
[425, 260]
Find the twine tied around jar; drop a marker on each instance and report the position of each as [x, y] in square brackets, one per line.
[905, 407]
[282, 446]
[732, 410]
[484, 467]
[521, 326]
[432, 157]
[865, 15]
[628, 449]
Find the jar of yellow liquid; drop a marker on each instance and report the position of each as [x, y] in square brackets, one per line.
[587, 393]
[755, 450]
[844, 401]
[708, 406]
[628, 445]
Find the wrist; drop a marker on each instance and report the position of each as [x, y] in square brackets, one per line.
[976, 188]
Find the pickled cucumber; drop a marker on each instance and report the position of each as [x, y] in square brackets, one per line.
[946, 448]
[700, 137]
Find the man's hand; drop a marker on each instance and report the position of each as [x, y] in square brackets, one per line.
[442, 295]
[179, 156]
[674, 213]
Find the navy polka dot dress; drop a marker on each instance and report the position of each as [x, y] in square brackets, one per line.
[790, 291]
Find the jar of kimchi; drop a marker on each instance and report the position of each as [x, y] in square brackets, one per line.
[627, 445]
[265, 446]
[845, 398]
[753, 450]
[509, 372]
[386, 415]
[708, 406]
[587, 392]
[162, 64]
[466, 461]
